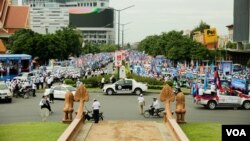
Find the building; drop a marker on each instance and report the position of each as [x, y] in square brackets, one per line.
[230, 32]
[241, 21]
[241, 33]
[47, 16]
[12, 18]
[208, 38]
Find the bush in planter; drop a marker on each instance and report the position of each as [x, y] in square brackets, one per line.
[95, 81]
[69, 82]
[155, 87]
[148, 80]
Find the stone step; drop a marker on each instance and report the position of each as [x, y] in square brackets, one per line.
[127, 130]
[165, 132]
[83, 133]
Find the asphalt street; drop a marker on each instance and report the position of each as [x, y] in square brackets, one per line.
[117, 107]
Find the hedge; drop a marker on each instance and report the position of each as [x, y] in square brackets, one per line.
[95, 81]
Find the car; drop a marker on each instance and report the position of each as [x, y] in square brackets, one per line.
[25, 76]
[59, 91]
[125, 86]
[5, 93]
[219, 99]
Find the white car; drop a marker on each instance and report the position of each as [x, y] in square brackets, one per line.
[125, 86]
[5, 93]
[59, 91]
[236, 99]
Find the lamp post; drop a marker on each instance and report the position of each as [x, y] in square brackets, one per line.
[119, 10]
[123, 32]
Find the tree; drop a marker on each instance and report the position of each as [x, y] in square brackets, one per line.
[22, 41]
[231, 45]
[200, 28]
[149, 45]
[108, 47]
[174, 45]
[64, 43]
[72, 40]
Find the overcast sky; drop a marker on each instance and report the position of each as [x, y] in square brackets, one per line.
[150, 17]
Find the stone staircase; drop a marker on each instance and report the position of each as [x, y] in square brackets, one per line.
[125, 130]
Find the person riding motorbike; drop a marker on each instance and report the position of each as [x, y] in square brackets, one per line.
[155, 106]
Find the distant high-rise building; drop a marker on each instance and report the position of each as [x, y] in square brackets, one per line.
[47, 16]
[241, 21]
[12, 18]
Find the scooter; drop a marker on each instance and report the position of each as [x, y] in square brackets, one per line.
[89, 115]
[151, 112]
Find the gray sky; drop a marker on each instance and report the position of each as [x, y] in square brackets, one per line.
[150, 17]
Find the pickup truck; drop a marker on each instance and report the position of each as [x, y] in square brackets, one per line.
[126, 86]
[219, 99]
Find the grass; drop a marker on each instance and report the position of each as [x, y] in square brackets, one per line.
[32, 131]
[51, 131]
[202, 131]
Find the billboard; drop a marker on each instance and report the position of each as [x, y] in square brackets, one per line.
[91, 17]
[210, 35]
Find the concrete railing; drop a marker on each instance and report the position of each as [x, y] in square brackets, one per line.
[175, 129]
[73, 129]
[71, 132]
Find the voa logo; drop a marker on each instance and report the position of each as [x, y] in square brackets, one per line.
[236, 132]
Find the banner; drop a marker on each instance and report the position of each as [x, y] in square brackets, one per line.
[210, 35]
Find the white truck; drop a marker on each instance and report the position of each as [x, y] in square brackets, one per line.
[126, 86]
[235, 99]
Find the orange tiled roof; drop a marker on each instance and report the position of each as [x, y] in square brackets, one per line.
[17, 17]
[2, 48]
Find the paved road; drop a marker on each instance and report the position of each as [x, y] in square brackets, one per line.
[117, 107]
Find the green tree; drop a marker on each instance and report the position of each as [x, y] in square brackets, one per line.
[90, 48]
[108, 47]
[200, 28]
[231, 45]
[174, 45]
[72, 40]
[149, 45]
[22, 41]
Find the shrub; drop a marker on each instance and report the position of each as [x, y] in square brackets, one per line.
[148, 80]
[95, 81]
[170, 82]
[69, 82]
[155, 87]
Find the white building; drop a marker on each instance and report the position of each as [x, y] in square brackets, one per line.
[47, 16]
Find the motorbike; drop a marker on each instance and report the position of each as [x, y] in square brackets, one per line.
[24, 93]
[151, 112]
[89, 115]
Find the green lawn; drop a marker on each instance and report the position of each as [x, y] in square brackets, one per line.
[202, 131]
[51, 131]
[32, 131]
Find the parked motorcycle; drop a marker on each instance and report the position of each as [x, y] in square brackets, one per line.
[89, 115]
[151, 112]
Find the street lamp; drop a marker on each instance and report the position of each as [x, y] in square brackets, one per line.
[119, 10]
[123, 32]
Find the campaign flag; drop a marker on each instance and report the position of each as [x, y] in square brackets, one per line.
[197, 65]
[206, 79]
[217, 80]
